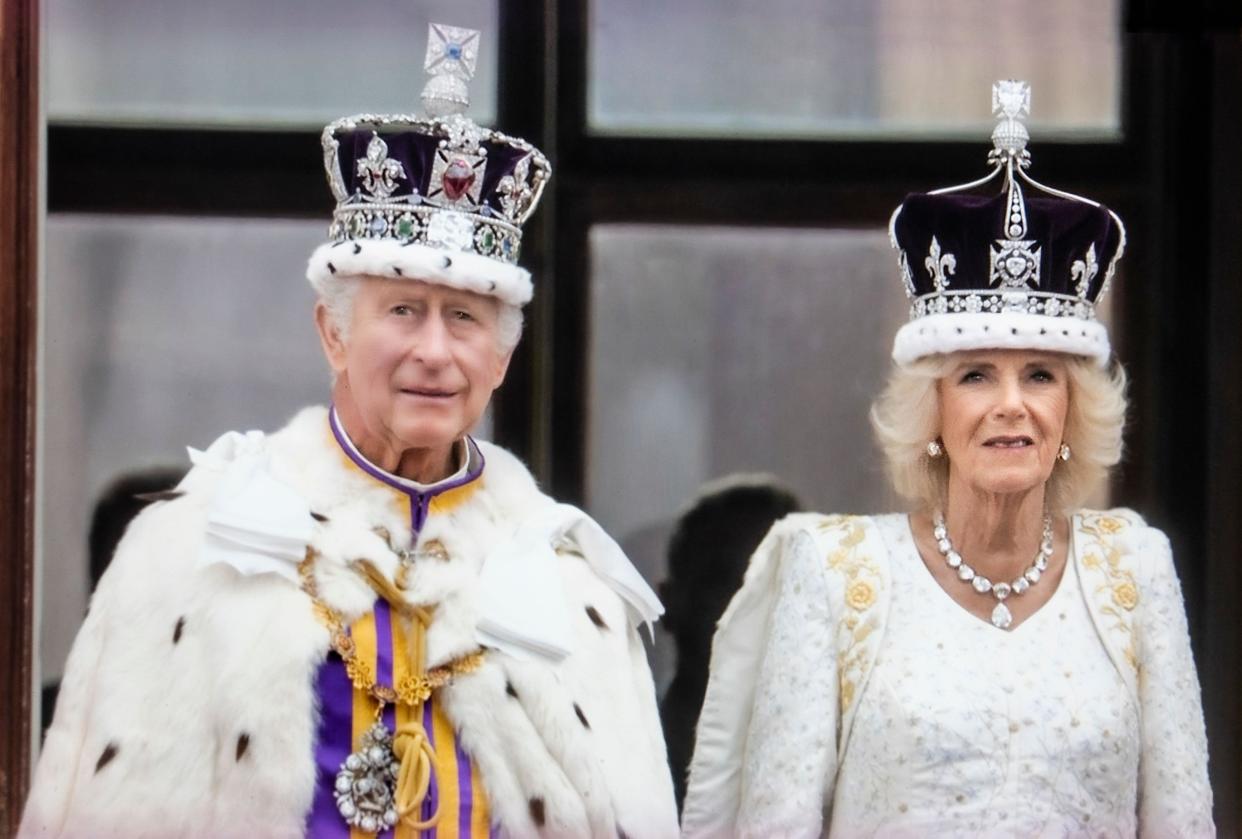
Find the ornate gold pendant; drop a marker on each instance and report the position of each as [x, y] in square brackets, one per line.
[365, 785]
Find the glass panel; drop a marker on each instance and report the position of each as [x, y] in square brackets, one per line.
[284, 63]
[707, 341]
[160, 333]
[846, 68]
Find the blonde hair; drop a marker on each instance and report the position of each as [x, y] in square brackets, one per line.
[906, 416]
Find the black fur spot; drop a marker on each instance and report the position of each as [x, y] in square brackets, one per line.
[509, 689]
[397, 271]
[491, 286]
[596, 617]
[177, 629]
[357, 248]
[109, 752]
[243, 743]
[581, 716]
[448, 263]
[331, 268]
[318, 516]
[1013, 330]
[537, 814]
[162, 495]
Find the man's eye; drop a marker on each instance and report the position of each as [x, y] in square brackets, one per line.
[401, 310]
[462, 314]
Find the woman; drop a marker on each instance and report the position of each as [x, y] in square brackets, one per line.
[1001, 662]
[369, 623]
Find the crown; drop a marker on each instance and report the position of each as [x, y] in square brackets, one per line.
[1005, 271]
[437, 197]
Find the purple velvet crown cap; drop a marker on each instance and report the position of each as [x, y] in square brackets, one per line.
[1020, 270]
[968, 226]
[415, 149]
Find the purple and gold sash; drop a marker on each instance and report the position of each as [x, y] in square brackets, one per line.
[380, 639]
[346, 714]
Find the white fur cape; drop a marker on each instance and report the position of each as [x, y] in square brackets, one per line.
[188, 706]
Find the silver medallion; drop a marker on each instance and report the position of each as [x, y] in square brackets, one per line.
[364, 786]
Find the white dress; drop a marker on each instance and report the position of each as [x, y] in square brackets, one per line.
[969, 730]
[850, 695]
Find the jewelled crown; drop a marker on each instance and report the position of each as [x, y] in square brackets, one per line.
[435, 198]
[1006, 271]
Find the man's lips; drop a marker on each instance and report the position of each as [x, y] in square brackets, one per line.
[1015, 441]
[428, 393]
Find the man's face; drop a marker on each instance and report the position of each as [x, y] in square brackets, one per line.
[420, 361]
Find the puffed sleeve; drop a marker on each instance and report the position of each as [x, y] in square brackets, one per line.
[765, 749]
[1175, 797]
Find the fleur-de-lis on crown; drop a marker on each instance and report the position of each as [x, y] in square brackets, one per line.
[378, 171]
[1084, 271]
[940, 267]
[515, 191]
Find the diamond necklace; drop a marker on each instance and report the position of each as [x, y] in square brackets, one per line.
[1001, 616]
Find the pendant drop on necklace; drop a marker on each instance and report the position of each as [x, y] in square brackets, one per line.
[1001, 617]
[364, 786]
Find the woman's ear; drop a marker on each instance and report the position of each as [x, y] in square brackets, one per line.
[330, 337]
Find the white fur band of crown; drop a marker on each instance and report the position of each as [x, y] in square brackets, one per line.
[954, 332]
[393, 260]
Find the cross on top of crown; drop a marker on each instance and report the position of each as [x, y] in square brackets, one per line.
[1011, 99]
[452, 51]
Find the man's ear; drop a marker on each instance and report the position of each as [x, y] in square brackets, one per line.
[330, 338]
[502, 367]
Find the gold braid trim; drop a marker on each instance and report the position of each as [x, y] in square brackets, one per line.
[862, 584]
[1118, 595]
[411, 744]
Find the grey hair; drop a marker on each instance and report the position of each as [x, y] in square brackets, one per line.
[906, 416]
[337, 295]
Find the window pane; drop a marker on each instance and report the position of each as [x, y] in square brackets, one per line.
[850, 67]
[723, 350]
[159, 333]
[283, 63]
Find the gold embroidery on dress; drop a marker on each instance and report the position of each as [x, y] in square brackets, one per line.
[1118, 594]
[862, 585]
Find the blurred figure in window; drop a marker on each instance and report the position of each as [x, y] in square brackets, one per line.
[707, 555]
[120, 501]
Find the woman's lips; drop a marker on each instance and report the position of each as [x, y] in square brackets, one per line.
[1016, 442]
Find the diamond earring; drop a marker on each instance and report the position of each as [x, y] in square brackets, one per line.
[934, 449]
[1064, 453]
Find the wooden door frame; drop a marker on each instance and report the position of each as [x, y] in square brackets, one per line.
[20, 133]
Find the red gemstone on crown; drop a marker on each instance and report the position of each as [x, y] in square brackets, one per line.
[457, 179]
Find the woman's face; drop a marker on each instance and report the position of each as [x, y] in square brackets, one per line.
[420, 363]
[1002, 418]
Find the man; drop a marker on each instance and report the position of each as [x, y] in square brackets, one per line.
[368, 622]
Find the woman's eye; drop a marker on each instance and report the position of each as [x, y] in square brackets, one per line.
[1041, 375]
[972, 376]
[401, 310]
